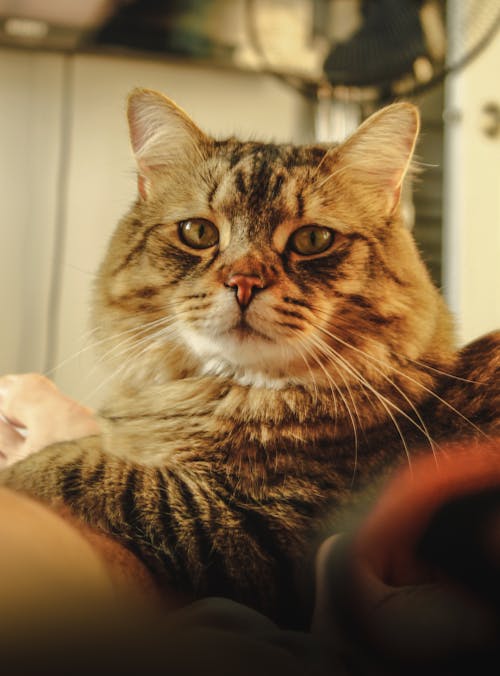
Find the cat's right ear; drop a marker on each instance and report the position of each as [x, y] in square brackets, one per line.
[162, 135]
[379, 153]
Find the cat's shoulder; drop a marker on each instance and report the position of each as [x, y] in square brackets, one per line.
[480, 359]
[468, 401]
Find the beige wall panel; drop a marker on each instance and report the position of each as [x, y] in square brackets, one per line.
[472, 195]
[30, 135]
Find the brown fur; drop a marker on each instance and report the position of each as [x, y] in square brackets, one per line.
[230, 435]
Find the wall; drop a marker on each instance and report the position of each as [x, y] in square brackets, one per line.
[30, 125]
[472, 189]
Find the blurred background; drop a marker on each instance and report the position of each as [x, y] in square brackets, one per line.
[299, 70]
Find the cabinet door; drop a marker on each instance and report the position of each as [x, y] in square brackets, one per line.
[472, 186]
[31, 129]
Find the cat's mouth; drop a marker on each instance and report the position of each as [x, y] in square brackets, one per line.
[244, 331]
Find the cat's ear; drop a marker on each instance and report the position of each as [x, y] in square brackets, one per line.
[162, 135]
[379, 153]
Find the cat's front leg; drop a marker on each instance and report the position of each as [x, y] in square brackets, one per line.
[35, 414]
[48, 475]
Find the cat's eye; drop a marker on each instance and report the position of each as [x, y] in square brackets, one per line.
[311, 239]
[198, 233]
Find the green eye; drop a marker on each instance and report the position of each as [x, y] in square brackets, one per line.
[311, 239]
[198, 233]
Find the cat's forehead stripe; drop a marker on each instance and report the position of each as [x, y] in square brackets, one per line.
[300, 203]
[256, 178]
[285, 155]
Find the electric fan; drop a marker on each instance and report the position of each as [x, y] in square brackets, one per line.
[368, 52]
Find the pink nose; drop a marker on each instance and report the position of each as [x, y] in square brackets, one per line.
[245, 286]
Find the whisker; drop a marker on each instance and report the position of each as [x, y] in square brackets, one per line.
[319, 344]
[315, 386]
[334, 174]
[93, 346]
[405, 375]
[422, 427]
[333, 384]
[88, 398]
[126, 351]
[143, 330]
[400, 355]
[122, 368]
[129, 333]
[320, 163]
[444, 373]
[386, 403]
[413, 380]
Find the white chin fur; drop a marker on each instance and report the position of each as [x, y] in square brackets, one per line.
[250, 361]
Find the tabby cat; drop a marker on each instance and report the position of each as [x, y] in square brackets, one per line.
[279, 343]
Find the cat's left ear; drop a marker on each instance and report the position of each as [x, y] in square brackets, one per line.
[378, 155]
[162, 135]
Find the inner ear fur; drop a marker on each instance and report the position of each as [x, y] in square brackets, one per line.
[379, 153]
[162, 135]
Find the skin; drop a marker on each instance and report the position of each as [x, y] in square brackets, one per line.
[49, 560]
[37, 414]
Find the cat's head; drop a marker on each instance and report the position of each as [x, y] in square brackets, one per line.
[267, 262]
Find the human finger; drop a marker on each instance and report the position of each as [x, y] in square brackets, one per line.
[10, 443]
[23, 395]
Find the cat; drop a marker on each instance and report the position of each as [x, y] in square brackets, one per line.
[279, 344]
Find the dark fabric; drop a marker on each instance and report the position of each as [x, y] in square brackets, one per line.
[416, 589]
[213, 636]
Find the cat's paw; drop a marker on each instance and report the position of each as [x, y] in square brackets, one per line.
[35, 414]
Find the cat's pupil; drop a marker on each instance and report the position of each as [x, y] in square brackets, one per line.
[311, 239]
[198, 233]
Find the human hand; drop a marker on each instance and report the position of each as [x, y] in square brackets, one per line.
[35, 414]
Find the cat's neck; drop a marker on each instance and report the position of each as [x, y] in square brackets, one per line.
[252, 378]
[260, 399]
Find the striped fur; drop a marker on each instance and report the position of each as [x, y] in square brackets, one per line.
[233, 434]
